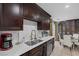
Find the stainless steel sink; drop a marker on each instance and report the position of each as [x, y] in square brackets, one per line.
[37, 41]
[31, 43]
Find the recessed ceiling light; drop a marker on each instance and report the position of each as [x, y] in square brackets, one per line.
[67, 6]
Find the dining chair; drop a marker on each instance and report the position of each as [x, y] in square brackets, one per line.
[67, 40]
[76, 39]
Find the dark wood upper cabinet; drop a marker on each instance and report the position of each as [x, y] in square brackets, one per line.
[0, 15]
[27, 11]
[12, 16]
[43, 25]
[33, 12]
[46, 25]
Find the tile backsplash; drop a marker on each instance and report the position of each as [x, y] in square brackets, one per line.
[24, 35]
[27, 28]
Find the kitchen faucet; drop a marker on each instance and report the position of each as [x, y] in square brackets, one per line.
[33, 31]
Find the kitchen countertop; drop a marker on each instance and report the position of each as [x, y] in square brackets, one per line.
[22, 48]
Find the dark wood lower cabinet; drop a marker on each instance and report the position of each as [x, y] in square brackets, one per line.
[38, 53]
[52, 44]
[39, 50]
[45, 49]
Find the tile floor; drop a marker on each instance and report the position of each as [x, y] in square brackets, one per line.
[59, 50]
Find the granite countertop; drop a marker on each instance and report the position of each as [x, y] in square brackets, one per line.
[22, 48]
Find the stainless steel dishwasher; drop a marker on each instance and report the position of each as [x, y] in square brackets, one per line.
[49, 48]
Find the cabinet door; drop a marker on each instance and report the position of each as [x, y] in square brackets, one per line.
[12, 16]
[44, 25]
[39, 25]
[36, 14]
[30, 12]
[27, 11]
[45, 49]
[38, 51]
[47, 24]
[0, 15]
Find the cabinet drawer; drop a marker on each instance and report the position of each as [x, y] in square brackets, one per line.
[36, 53]
[36, 50]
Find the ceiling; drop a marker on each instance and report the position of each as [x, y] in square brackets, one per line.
[61, 12]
